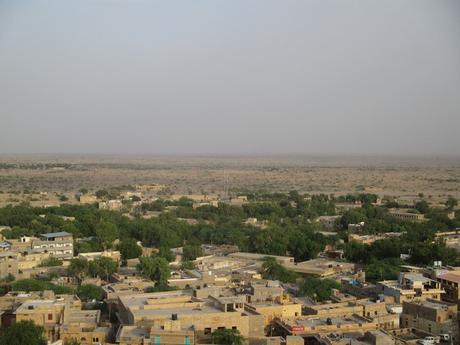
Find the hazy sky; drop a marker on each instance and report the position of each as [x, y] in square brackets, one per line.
[312, 77]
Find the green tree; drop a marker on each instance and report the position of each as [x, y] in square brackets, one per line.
[38, 285]
[129, 249]
[352, 217]
[51, 262]
[101, 193]
[191, 252]
[187, 265]
[318, 289]
[90, 292]
[154, 268]
[102, 267]
[451, 203]
[422, 206]
[166, 253]
[23, 333]
[78, 269]
[106, 233]
[227, 337]
[135, 198]
[273, 270]
[8, 278]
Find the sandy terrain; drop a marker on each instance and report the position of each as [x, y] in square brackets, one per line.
[435, 177]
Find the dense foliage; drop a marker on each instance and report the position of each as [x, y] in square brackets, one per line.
[156, 269]
[318, 289]
[227, 337]
[23, 333]
[290, 228]
[101, 267]
[90, 292]
[38, 285]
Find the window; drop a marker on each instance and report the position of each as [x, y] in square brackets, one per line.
[95, 339]
[234, 328]
[207, 331]
[50, 316]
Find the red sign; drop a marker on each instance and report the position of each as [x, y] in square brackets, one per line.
[297, 328]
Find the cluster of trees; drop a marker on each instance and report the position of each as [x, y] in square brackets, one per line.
[23, 332]
[90, 292]
[309, 285]
[129, 249]
[27, 333]
[227, 336]
[222, 225]
[382, 259]
[291, 229]
[272, 270]
[38, 285]
[51, 262]
[155, 268]
[101, 267]
[317, 289]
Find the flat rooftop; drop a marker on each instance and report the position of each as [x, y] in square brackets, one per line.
[256, 256]
[166, 313]
[453, 277]
[40, 304]
[433, 304]
[82, 316]
[131, 332]
[312, 322]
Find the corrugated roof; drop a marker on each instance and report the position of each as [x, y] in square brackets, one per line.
[56, 234]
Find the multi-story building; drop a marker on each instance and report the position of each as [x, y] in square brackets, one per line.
[431, 316]
[363, 307]
[412, 286]
[63, 319]
[171, 333]
[205, 315]
[408, 216]
[331, 322]
[46, 313]
[274, 310]
[58, 244]
[261, 257]
[450, 283]
[8, 264]
[321, 266]
[111, 254]
[84, 326]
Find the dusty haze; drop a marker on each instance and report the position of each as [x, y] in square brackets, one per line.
[220, 77]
